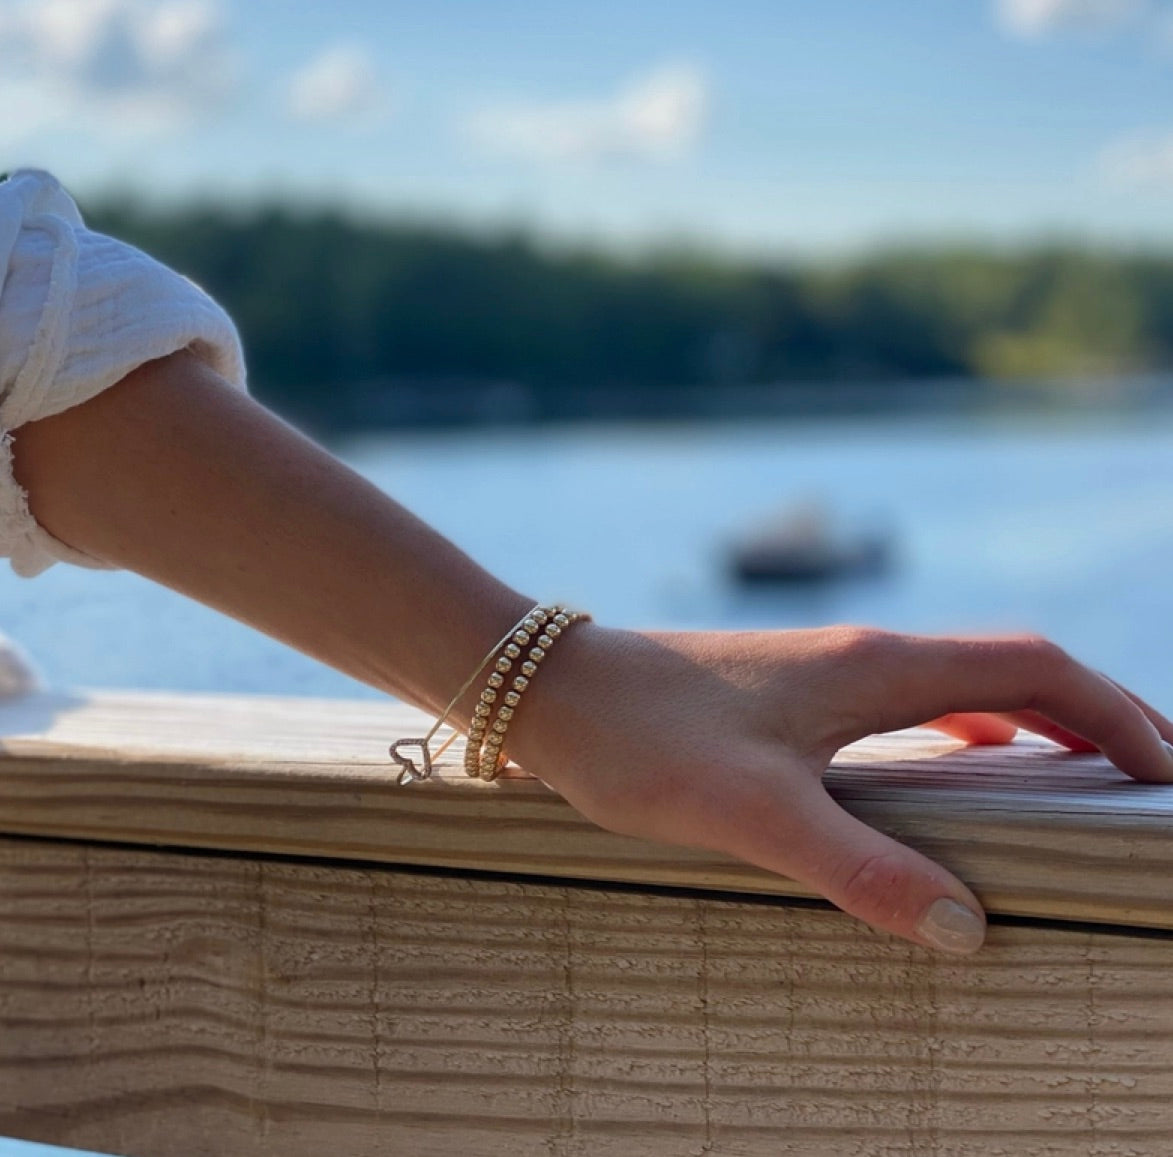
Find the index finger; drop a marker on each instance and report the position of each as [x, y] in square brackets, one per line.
[935, 677]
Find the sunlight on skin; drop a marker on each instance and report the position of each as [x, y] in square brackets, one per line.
[708, 739]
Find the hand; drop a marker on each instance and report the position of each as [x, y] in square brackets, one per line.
[713, 740]
[720, 740]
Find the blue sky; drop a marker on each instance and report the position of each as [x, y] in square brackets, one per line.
[764, 126]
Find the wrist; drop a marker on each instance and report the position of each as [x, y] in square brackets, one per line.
[512, 664]
[559, 704]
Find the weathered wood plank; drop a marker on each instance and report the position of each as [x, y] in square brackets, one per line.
[158, 1004]
[1034, 831]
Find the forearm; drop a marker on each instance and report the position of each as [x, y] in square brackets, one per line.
[707, 739]
[175, 476]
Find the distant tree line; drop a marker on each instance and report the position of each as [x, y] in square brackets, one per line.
[341, 317]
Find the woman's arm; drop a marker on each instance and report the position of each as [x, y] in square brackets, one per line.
[710, 739]
[174, 475]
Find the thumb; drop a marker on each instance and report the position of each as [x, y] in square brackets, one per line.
[867, 874]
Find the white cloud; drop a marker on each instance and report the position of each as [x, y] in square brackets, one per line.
[339, 85]
[1035, 18]
[114, 66]
[1140, 162]
[659, 116]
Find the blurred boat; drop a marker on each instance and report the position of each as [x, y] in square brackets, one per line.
[801, 546]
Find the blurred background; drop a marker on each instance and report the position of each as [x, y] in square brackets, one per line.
[771, 314]
[765, 313]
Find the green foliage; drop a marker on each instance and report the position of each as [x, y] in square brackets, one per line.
[335, 313]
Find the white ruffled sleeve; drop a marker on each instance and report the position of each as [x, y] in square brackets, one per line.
[78, 312]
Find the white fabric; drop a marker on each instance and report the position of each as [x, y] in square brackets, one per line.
[78, 312]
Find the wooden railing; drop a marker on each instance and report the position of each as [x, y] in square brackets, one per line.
[225, 931]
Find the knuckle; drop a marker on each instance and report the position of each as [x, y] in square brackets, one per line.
[874, 885]
[1043, 652]
[1039, 668]
[859, 644]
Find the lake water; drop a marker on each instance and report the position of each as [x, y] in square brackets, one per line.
[1059, 526]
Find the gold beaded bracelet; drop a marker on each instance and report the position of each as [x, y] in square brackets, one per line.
[483, 756]
[411, 773]
[505, 650]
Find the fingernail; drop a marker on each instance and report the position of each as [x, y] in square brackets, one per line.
[1168, 748]
[952, 927]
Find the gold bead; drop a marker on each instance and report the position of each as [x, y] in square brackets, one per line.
[483, 753]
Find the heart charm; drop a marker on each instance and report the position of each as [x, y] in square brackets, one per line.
[411, 773]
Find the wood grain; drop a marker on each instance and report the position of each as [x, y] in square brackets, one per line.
[1033, 831]
[157, 1004]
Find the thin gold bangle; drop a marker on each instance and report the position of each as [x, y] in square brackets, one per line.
[484, 710]
[411, 773]
[548, 627]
